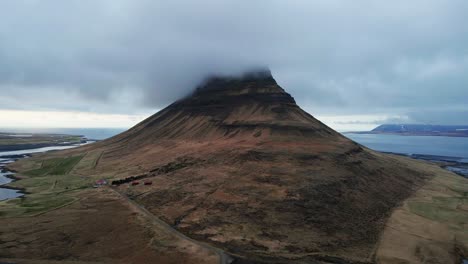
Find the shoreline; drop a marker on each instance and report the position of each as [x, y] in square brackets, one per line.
[32, 146]
[10, 173]
[407, 134]
[13, 178]
[456, 165]
[428, 157]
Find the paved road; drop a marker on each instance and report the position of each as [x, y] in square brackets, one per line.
[223, 257]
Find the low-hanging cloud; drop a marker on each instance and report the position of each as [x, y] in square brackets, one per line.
[338, 57]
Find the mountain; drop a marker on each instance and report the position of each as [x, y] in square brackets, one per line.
[229, 108]
[237, 164]
[251, 172]
[420, 129]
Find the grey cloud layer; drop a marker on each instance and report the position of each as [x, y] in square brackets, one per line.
[334, 56]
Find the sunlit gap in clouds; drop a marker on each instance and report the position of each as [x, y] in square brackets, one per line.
[63, 119]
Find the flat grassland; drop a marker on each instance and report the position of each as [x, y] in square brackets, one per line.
[48, 184]
[431, 226]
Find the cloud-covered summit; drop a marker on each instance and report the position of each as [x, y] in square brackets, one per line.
[334, 57]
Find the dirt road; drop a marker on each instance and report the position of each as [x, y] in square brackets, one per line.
[223, 257]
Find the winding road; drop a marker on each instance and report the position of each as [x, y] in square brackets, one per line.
[224, 258]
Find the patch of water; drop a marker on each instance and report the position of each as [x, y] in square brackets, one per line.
[9, 194]
[6, 193]
[3, 178]
[36, 150]
[458, 170]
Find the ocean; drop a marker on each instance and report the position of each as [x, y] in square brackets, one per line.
[425, 145]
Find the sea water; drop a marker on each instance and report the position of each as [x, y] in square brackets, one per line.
[426, 145]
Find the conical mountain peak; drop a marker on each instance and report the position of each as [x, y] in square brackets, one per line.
[240, 165]
[254, 81]
[251, 105]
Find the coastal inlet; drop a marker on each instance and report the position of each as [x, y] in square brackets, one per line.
[7, 176]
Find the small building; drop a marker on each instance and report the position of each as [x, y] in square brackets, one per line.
[100, 183]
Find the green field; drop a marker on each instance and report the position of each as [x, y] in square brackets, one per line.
[445, 209]
[441, 212]
[57, 166]
[49, 186]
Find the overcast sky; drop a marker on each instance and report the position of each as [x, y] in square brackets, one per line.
[350, 63]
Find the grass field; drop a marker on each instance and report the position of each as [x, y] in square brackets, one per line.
[49, 185]
[444, 212]
[445, 209]
[33, 204]
[431, 226]
[89, 161]
[56, 166]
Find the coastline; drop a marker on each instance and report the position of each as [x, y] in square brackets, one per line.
[15, 147]
[13, 178]
[10, 157]
[453, 164]
[409, 134]
[9, 174]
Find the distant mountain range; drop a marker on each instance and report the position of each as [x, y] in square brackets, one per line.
[420, 130]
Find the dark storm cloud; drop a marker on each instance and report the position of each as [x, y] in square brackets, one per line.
[339, 57]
